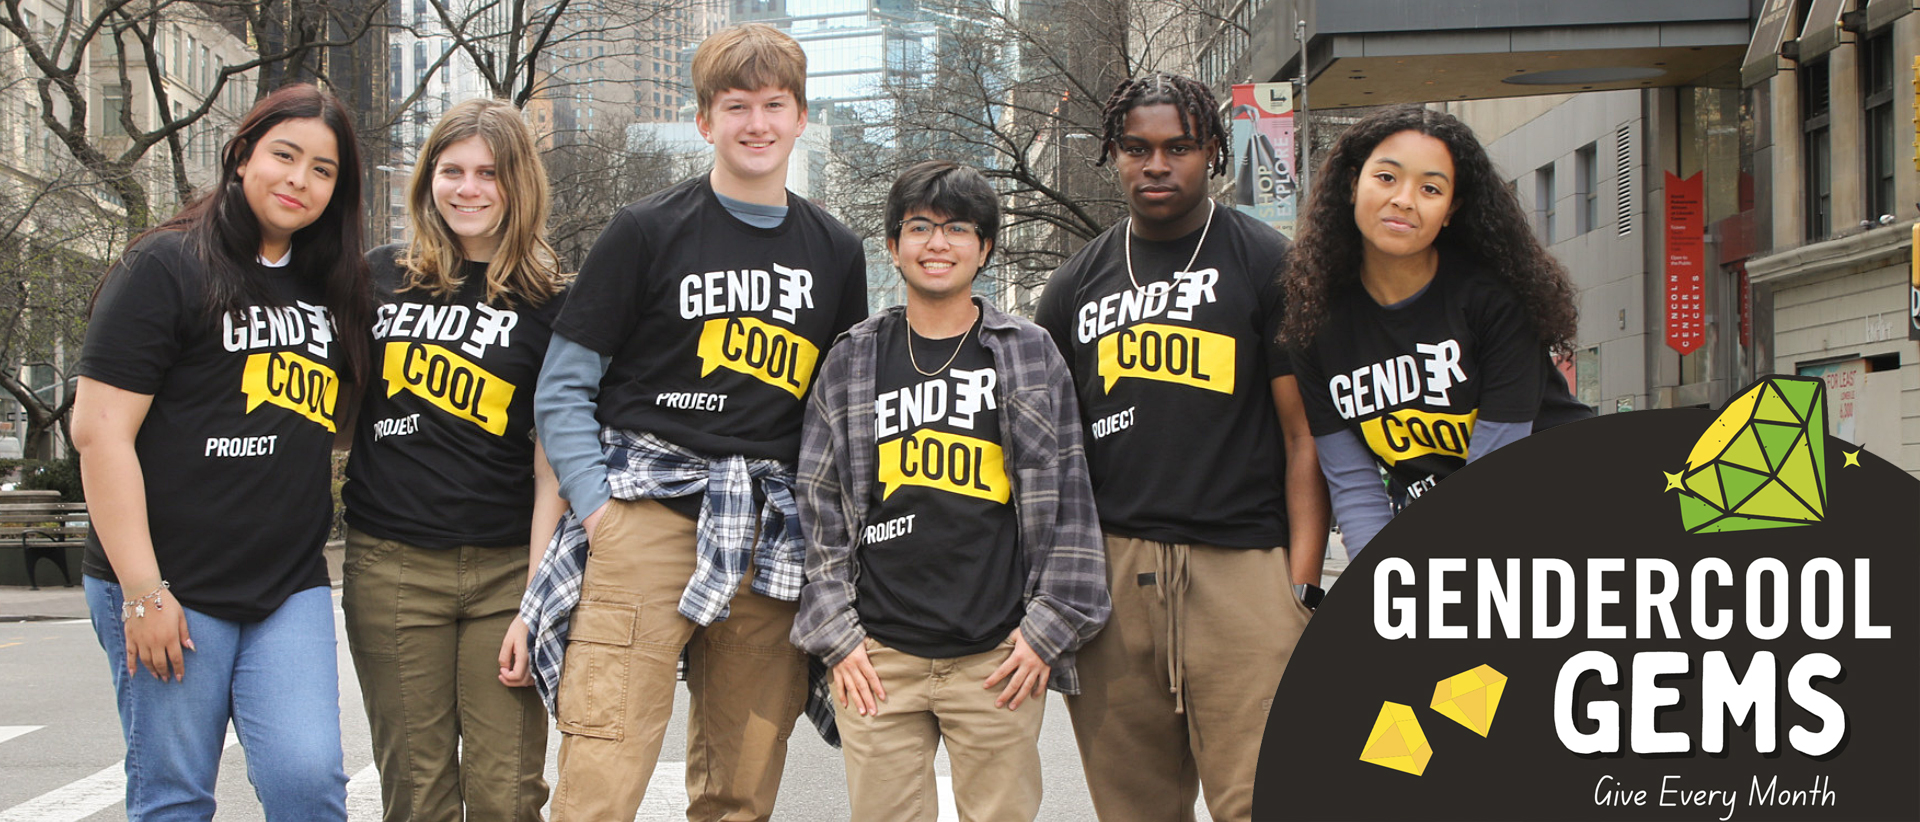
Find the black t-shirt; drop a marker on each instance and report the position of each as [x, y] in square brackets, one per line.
[234, 451]
[715, 328]
[941, 571]
[443, 446]
[1412, 380]
[1175, 380]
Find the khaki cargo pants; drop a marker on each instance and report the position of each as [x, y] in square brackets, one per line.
[746, 681]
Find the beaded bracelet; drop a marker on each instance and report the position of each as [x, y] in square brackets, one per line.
[137, 607]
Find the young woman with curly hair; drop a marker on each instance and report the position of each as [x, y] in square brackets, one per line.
[1422, 314]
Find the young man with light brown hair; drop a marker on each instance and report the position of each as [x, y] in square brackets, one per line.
[670, 407]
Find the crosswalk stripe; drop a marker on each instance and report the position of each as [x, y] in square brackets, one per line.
[80, 798]
[949, 812]
[76, 800]
[10, 731]
[363, 794]
[666, 799]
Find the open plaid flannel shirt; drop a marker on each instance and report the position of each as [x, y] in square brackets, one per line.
[1040, 427]
[643, 466]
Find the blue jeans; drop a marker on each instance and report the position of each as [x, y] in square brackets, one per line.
[275, 679]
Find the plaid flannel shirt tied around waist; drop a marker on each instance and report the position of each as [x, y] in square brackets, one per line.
[643, 466]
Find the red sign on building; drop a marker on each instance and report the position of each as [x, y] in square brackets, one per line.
[1746, 307]
[1686, 263]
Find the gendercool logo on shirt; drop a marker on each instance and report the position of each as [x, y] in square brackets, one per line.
[954, 463]
[293, 382]
[1664, 615]
[450, 382]
[1168, 353]
[768, 353]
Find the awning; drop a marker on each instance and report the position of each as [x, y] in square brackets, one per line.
[1823, 32]
[1883, 12]
[1763, 54]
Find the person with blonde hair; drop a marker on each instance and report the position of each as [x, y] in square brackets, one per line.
[671, 405]
[449, 497]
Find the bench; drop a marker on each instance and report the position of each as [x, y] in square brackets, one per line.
[44, 530]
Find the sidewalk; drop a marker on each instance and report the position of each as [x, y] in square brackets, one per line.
[19, 603]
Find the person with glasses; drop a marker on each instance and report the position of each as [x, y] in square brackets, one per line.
[954, 563]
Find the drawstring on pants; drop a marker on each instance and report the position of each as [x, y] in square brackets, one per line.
[1170, 566]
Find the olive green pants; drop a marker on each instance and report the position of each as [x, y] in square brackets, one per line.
[425, 626]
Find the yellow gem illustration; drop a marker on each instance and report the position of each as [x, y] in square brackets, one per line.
[1763, 461]
[1397, 741]
[1471, 698]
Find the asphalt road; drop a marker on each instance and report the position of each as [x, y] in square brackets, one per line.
[60, 746]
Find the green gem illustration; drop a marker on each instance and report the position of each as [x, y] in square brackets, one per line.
[1762, 463]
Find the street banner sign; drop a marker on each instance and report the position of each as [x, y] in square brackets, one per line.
[1265, 185]
[1686, 257]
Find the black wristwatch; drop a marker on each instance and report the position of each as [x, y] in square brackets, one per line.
[1309, 594]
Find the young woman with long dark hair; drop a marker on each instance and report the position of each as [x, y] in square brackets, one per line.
[449, 498]
[205, 415]
[1422, 313]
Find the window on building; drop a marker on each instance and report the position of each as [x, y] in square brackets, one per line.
[1876, 83]
[1817, 153]
[396, 69]
[1544, 196]
[113, 101]
[30, 121]
[419, 64]
[1586, 173]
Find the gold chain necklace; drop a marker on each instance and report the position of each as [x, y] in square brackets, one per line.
[956, 349]
[1190, 260]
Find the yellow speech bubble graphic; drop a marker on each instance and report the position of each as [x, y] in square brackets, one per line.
[1168, 353]
[954, 463]
[451, 382]
[1409, 433]
[293, 382]
[768, 353]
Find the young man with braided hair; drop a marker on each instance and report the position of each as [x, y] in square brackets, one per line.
[1213, 531]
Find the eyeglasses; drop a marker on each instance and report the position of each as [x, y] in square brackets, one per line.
[920, 230]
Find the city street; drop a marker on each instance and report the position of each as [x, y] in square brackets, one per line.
[60, 744]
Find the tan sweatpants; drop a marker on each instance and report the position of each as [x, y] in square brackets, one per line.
[995, 752]
[746, 681]
[1175, 690]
